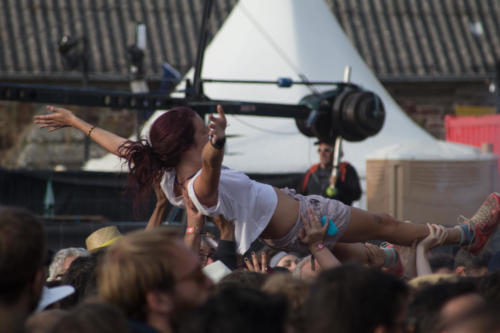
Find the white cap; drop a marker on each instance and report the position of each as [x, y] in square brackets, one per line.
[216, 271]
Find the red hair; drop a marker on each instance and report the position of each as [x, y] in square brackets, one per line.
[170, 135]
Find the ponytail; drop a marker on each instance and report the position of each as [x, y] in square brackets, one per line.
[170, 136]
[144, 164]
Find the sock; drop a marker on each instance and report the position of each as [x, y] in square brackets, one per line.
[391, 256]
[466, 234]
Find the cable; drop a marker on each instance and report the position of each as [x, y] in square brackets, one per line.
[273, 43]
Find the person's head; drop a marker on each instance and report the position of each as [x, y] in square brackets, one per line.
[81, 274]
[22, 252]
[489, 287]
[44, 321]
[494, 263]
[239, 309]
[151, 275]
[442, 263]
[353, 298]
[284, 259]
[92, 317]
[437, 304]
[483, 319]
[295, 291]
[468, 265]
[325, 152]
[244, 278]
[306, 269]
[63, 259]
[173, 134]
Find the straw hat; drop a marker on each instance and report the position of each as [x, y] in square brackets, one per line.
[102, 237]
[430, 279]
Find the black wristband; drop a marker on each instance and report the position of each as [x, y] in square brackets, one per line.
[219, 143]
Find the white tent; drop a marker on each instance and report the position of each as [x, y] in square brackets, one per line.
[265, 40]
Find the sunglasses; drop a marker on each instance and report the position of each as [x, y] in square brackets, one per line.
[325, 150]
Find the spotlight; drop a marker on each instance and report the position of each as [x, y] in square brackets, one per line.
[71, 51]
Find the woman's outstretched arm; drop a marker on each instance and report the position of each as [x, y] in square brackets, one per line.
[59, 118]
[206, 186]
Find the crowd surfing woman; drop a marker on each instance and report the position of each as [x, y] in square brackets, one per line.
[185, 156]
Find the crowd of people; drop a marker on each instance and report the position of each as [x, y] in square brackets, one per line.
[281, 262]
[155, 280]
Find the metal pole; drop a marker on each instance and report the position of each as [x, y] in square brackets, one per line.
[338, 141]
[497, 85]
[197, 83]
[85, 83]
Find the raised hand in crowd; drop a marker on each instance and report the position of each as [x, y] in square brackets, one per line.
[376, 257]
[195, 224]
[437, 236]
[312, 234]
[408, 257]
[226, 248]
[161, 204]
[226, 228]
[217, 126]
[256, 264]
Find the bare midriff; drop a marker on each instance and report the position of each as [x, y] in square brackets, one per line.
[284, 217]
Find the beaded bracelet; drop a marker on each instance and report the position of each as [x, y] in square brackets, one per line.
[90, 131]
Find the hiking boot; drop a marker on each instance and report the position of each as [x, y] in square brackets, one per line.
[484, 224]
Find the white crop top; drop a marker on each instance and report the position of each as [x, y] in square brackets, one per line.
[246, 202]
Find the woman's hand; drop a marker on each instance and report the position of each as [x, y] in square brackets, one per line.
[407, 257]
[217, 126]
[226, 228]
[312, 232]
[255, 265]
[161, 198]
[437, 236]
[195, 219]
[161, 204]
[57, 119]
[375, 255]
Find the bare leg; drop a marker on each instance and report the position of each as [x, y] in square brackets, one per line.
[350, 251]
[369, 254]
[365, 226]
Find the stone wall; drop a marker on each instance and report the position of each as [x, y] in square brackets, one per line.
[15, 120]
[24, 145]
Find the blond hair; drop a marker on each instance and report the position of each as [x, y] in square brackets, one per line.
[137, 263]
[293, 288]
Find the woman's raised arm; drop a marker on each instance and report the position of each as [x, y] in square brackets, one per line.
[207, 184]
[59, 118]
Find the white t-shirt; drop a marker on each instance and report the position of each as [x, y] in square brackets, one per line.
[246, 202]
